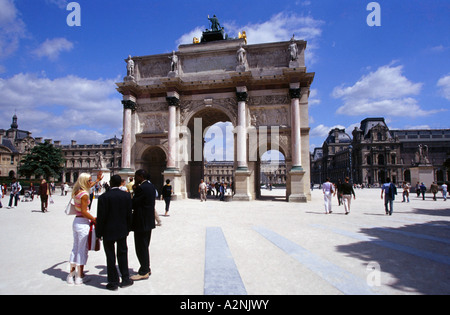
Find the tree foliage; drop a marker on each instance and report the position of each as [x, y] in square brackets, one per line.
[44, 161]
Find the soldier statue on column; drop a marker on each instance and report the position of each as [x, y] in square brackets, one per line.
[130, 69]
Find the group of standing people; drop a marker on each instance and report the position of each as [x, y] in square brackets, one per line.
[117, 215]
[206, 189]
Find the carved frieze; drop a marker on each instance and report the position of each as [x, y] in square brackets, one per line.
[269, 100]
[278, 116]
[152, 107]
[153, 123]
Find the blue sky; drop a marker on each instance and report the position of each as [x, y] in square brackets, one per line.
[60, 80]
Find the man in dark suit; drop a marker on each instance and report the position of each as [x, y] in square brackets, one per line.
[143, 221]
[114, 217]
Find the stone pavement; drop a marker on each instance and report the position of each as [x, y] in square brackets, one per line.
[241, 248]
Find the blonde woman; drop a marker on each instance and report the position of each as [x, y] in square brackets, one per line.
[80, 227]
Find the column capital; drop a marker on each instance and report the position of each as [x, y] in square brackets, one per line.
[128, 104]
[173, 101]
[242, 96]
[295, 93]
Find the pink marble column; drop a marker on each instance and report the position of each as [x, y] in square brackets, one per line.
[174, 100]
[128, 107]
[294, 92]
[241, 138]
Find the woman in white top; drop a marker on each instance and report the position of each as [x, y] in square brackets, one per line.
[80, 227]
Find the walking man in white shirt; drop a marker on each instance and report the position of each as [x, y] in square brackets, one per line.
[328, 190]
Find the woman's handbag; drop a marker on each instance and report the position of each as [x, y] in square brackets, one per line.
[70, 209]
[93, 241]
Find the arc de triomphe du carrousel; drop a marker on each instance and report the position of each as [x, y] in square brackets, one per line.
[171, 99]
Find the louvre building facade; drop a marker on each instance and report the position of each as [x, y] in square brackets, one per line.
[374, 154]
[16, 143]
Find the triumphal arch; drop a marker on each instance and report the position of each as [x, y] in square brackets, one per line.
[171, 99]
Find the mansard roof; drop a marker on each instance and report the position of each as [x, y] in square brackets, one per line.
[338, 136]
[368, 123]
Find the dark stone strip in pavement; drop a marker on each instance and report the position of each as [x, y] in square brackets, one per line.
[221, 273]
[339, 278]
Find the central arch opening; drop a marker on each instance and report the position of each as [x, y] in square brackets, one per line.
[272, 176]
[216, 161]
[154, 162]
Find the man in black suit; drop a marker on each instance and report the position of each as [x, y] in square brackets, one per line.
[114, 217]
[143, 221]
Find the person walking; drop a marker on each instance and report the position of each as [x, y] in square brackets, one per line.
[434, 190]
[143, 221]
[217, 188]
[113, 224]
[202, 188]
[44, 193]
[339, 192]
[15, 193]
[405, 191]
[389, 190]
[32, 191]
[1, 196]
[423, 190]
[222, 190]
[81, 226]
[444, 191]
[328, 191]
[167, 195]
[66, 188]
[347, 192]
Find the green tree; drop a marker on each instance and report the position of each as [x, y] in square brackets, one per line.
[44, 161]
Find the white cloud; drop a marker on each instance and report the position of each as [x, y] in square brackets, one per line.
[385, 92]
[444, 85]
[12, 28]
[313, 100]
[322, 131]
[52, 48]
[422, 127]
[282, 26]
[189, 37]
[62, 4]
[63, 107]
